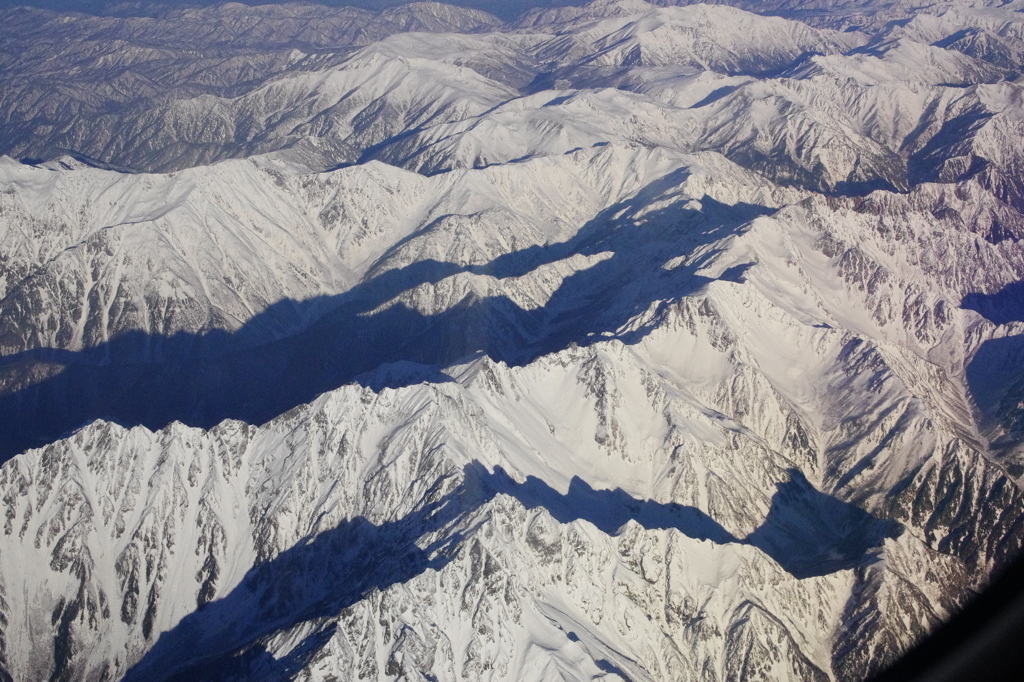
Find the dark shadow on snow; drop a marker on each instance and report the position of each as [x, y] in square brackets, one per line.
[310, 583]
[995, 375]
[608, 510]
[1006, 305]
[810, 533]
[250, 375]
[807, 532]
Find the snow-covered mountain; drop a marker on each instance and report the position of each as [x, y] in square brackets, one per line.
[621, 341]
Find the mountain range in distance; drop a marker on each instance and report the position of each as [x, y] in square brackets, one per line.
[608, 341]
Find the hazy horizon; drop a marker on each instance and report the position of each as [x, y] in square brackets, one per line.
[501, 8]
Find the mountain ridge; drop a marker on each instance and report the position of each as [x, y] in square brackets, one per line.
[622, 342]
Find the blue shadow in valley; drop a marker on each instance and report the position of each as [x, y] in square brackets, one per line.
[310, 583]
[1006, 305]
[608, 510]
[279, 360]
[806, 531]
[810, 533]
[995, 375]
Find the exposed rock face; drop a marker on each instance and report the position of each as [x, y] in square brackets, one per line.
[625, 341]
